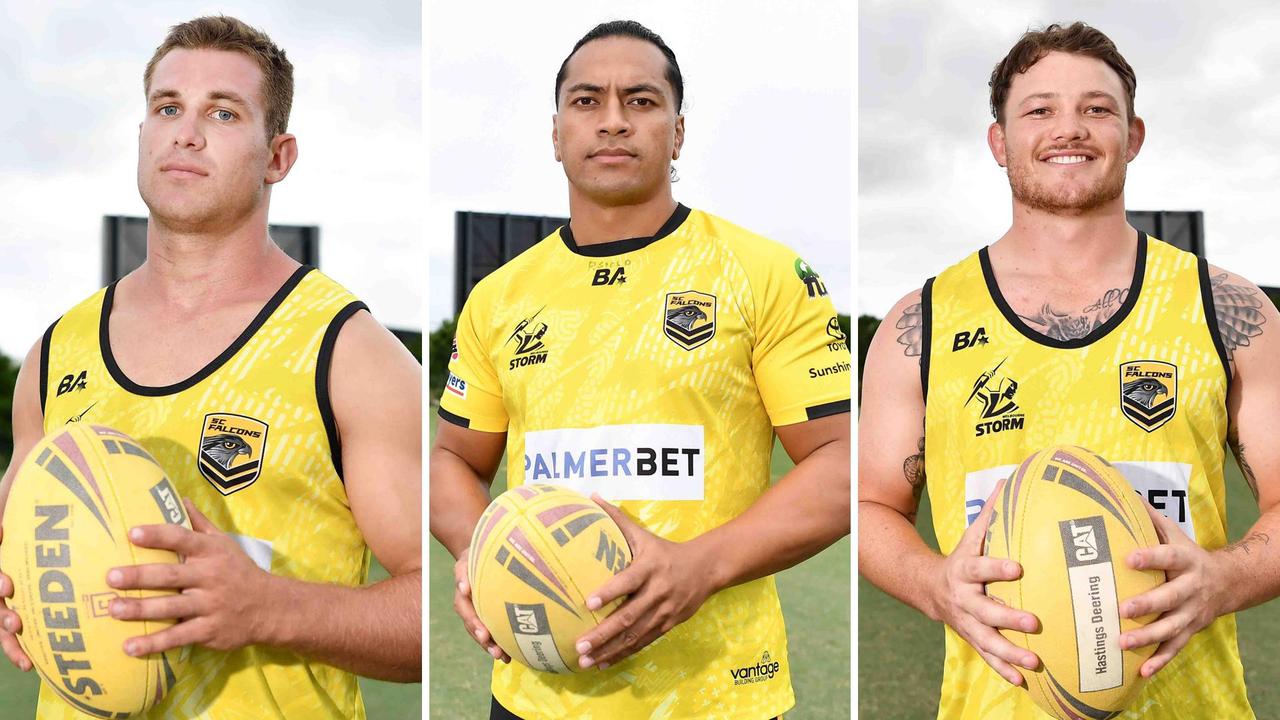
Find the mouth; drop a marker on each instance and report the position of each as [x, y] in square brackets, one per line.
[1067, 157]
[180, 170]
[611, 155]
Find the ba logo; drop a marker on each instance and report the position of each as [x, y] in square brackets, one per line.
[605, 276]
[812, 283]
[689, 318]
[837, 332]
[965, 339]
[231, 450]
[995, 393]
[72, 382]
[1148, 392]
[527, 336]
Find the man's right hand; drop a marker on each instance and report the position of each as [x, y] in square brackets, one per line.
[467, 611]
[10, 624]
[961, 602]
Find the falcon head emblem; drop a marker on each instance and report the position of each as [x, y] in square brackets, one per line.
[224, 448]
[1144, 391]
[685, 316]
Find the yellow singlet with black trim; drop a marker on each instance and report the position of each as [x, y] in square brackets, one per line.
[1146, 390]
[251, 440]
[652, 371]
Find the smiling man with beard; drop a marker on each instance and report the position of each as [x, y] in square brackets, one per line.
[1059, 318]
[662, 331]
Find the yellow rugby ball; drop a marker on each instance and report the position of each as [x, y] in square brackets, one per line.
[1071, 519]
[536, 554]
[66, 524]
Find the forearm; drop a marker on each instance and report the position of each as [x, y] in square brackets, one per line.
[458, 499]
[374, 631]
[803, 513]
[1251, 565]
[894, 558]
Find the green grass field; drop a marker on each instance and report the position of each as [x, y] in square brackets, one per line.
[900, 651]
[382, 700]
[815, 603]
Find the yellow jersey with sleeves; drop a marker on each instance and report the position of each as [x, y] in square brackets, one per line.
[1146, 390]
[251, 440]
[652, 371]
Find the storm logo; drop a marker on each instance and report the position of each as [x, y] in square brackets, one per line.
[231, 450]
[999, 410]
[1149, 392]
[528, 334]
[689, 318]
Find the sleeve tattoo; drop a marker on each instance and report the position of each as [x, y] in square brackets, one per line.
[913, 469]
[912, 322]
[1237, 309]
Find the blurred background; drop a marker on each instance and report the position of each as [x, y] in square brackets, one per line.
[768, 119]
[71, 76]
[929, 194]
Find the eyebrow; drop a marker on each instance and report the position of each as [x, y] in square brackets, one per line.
[1054, 96]
[161, 93]
[629, 90]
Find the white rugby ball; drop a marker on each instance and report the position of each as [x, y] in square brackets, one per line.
[536, 554]
[1071, 519]
[66, 524]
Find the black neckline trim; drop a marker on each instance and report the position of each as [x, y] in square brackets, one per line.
[104, 341]
[620, 247]
[1135, 289]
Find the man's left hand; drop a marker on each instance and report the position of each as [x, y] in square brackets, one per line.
[665, 585]
[221, 593]
[1187, 601]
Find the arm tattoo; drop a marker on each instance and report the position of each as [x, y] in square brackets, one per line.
[1069, 326]
[1253, 541]
[1237, 310]
[912, 321]
[1237, 449]
[913, 469]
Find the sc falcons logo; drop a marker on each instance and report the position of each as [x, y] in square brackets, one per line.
[1149, 392]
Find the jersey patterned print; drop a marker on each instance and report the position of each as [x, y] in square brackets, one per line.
[1146, 390]
[250, 439]
[652, 371]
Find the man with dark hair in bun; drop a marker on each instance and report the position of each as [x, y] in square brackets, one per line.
[660, 329]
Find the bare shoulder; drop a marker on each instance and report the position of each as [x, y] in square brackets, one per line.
[1245, 316]
[905, 325]
[372, 376]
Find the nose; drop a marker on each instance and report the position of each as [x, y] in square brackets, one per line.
[1069, 127]
[614, 121]
[187, 133]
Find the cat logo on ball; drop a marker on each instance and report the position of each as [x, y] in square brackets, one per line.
[1149, 392]
[231, 450]
[689, 318]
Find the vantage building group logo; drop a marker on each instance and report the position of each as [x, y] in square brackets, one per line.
[766, 669]
[999, 411]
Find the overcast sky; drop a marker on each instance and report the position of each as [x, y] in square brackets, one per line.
[71, 79]
[768, 106]
[929, 192]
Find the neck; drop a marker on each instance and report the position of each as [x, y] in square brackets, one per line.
[188, 268]
[594, 223]
[1067, 245]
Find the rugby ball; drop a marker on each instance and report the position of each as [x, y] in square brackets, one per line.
[1071, 519]
[66, 524]
[536, 554]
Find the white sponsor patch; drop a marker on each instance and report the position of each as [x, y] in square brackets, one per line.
[1163, 484]
[620, 462]
[259, 551]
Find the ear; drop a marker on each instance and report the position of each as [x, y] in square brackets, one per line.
[675, 153]
[555, 136]
[995, 141]
[284, 153]
[1137, 135]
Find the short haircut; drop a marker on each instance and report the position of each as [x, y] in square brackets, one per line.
[631, 29]
[220, 32]
[1076, 39]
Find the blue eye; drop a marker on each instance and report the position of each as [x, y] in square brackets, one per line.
[165, 110]
[224, 115]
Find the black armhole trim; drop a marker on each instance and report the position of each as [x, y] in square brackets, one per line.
[827, 409]
[324, 361]
[454, 419]
[926, 335]
[104, 341]
[619, 247]
[45, 342]
[1211, 317]
[1135, 289]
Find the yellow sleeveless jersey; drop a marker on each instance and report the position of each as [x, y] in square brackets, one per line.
[652, 371]
[1146, 390]
[251, 440]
